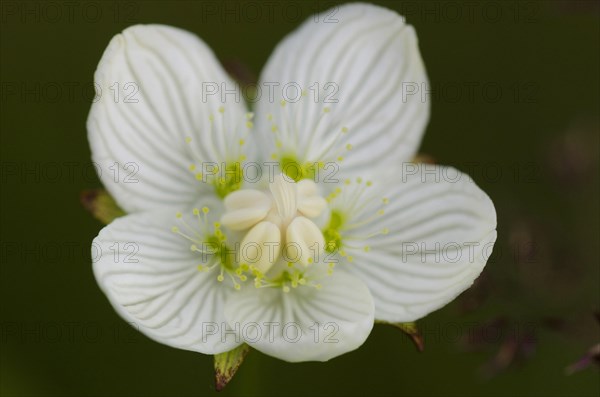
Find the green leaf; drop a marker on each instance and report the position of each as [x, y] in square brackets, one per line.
[411, 330]
[227, 364]
[101, 205]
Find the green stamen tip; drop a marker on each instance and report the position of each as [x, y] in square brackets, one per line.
[291, 166]
[231, 180]
[331, 233]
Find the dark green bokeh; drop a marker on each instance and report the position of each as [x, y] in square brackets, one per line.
[533, 149]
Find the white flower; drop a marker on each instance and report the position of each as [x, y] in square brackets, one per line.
[203, 260]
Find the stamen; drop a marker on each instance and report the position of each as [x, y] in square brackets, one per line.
[325, 154]
[349, 204]
[214, 143]
[176, 230]
[313, 133]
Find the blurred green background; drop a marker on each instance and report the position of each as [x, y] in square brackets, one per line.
[515, 104]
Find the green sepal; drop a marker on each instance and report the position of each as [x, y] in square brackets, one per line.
[423, 158]
[227, 364]
[409, 329]
[101, 205]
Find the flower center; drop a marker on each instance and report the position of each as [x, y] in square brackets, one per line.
[277, 223]
[277, 230]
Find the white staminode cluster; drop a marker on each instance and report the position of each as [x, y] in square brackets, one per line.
[279, 218]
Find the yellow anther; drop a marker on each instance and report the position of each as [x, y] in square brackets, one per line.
[359, 180]
[369, 183]
[286, 289]
[386, 200]
[237, 286]
[201, 268]
[283, 102]
[273, 128]
[193, 247]
[344, 130]
[385, 231]
[242, 142]
[350, 258]
[249, 124]
[178, 215]
[367, 248]
[326, 110]
[199, 176]
[221, 109]
[175, 229]
[380, 212]
[249, 116]
[347, 181]
[348, 147]
[340, 158]
[188, 139]
[270, 117]
[220, 278]
[192, 167]
[196, 211]
[205, 210]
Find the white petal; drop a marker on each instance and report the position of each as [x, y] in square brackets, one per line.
[304, 324]
[304, 240]
[261, 245]
[151, 81]
[369, 62]
[442, 229]
[151, 278]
